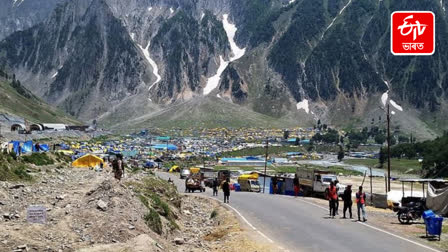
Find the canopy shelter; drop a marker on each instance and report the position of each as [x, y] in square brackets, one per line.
[87, 161]
[175, 168]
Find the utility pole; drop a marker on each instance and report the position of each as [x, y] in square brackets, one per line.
[265, 163]
[371, 186]
[388, 148]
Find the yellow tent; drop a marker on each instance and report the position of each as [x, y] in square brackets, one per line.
[195, 170]
[87, 161]
[248, 176]
[175, 168]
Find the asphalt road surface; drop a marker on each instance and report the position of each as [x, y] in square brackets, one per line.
[296, 224]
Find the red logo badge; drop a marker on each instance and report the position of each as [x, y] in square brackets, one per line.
[413, 33]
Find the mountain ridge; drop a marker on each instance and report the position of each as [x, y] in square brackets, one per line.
[300, 59]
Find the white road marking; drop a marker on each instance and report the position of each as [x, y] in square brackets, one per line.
[378, 229]
[399, 237]
[245, 220]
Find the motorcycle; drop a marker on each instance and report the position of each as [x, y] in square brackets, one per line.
[411, 212]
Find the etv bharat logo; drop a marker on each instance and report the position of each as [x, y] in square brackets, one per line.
[412, 33]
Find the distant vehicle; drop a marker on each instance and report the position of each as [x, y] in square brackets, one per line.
[249, 182]
[193, 183]
[317, 182]
[223, 175]
[208, 182]
[185, 173]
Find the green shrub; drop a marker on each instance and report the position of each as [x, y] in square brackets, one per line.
[214, 214]
[38, 159]
[153, 221]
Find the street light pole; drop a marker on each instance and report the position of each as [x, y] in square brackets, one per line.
[265, 164]
[388, 148]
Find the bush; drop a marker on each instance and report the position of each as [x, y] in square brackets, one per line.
[214, 214]
[152, 219]
[38, 159]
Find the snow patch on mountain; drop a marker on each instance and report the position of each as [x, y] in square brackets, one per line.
[171, 10]
[231, 31]
[237, 52]
[291, 1]
[384, 98]
[213, 81]
[18, 2]
[385, 95]
[149, 8]
[398, 107]
[334, 19]
[55, 74]
[303, 105]
[155, 69]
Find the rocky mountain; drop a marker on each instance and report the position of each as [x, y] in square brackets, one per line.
[119, 61]
[18, 15]
[18, 103]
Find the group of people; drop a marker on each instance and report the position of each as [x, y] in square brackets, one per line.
[333, 200]
[225, 188]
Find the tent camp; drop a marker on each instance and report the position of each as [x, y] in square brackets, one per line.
[87, 161]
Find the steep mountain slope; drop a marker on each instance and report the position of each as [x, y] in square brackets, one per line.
[116, 61]
[18, 15]
[16, 100]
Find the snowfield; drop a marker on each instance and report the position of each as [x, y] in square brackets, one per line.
[237, 52]
[155, 69]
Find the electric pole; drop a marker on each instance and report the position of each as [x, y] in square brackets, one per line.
[388, 148]
[265, 163]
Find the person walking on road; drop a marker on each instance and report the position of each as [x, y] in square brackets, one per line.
[296, 185]
[347, 198]
[361, 203]
[332, 197]
[336, 184]
[226, 190]
[215, 187]
[274, 184]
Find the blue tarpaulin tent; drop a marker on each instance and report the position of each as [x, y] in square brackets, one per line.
[16, 146]
[27, 147]
[164, 147]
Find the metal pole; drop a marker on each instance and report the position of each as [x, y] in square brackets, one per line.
[371, 187]
[388, 148]
[265, 164]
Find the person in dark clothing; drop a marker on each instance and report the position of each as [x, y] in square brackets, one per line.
[117, 170]
[347, 197]
[296, 185]
[215, 187]
[274, 184]
[226, 190]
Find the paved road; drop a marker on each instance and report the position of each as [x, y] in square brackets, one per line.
[299, 225]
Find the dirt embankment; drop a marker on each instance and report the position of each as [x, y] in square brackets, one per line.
[90, 211]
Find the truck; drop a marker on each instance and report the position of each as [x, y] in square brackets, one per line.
[249, 182]
[316, 182]
[222, 176]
